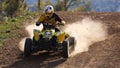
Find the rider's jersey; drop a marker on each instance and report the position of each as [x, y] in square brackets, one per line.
[46, 20]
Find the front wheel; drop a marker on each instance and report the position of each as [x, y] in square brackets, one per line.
[28, 47]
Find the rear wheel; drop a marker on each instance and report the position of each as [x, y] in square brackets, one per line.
[72, 40]
[65, 51]
[72, 43]
[27, 47]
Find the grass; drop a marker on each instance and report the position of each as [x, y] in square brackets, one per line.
[9, 29]
[6, 29]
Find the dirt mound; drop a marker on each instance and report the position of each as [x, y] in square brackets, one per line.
[102, 54]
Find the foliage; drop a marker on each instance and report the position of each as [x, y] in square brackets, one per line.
[64, 4]
[59, 5]
[42, 4]
[48, 2]
[86, 4]
[77, 5]
[13, 8]
[2, 5]
[9, 29]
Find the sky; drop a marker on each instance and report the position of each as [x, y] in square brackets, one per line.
[106, 5]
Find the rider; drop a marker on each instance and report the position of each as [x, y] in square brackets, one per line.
[49, 17]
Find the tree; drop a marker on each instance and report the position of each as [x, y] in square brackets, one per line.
[85, 5]
[64, 4]
[59, 5]
[81, 5]
[69, 3]
[43, 3]
[40, 4]
[48, 2]
[15, 7]
[2, 5]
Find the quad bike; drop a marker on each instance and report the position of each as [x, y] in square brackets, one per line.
[50, 40]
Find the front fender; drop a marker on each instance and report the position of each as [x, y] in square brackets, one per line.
[36, 34]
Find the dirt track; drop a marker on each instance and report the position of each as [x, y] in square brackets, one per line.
[103, 54]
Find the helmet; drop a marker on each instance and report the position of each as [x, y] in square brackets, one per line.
[49, 10]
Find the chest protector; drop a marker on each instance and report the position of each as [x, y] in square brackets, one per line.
[47, 20]
[50, 20]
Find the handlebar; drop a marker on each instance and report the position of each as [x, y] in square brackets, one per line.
[48, 26]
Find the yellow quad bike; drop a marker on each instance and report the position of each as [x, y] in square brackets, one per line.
[50, 40]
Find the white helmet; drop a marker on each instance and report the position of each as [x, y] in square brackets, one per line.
[49, 9]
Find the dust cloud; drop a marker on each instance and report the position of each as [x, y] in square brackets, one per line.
[86, 32]
[29, 29]
[21, 44]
